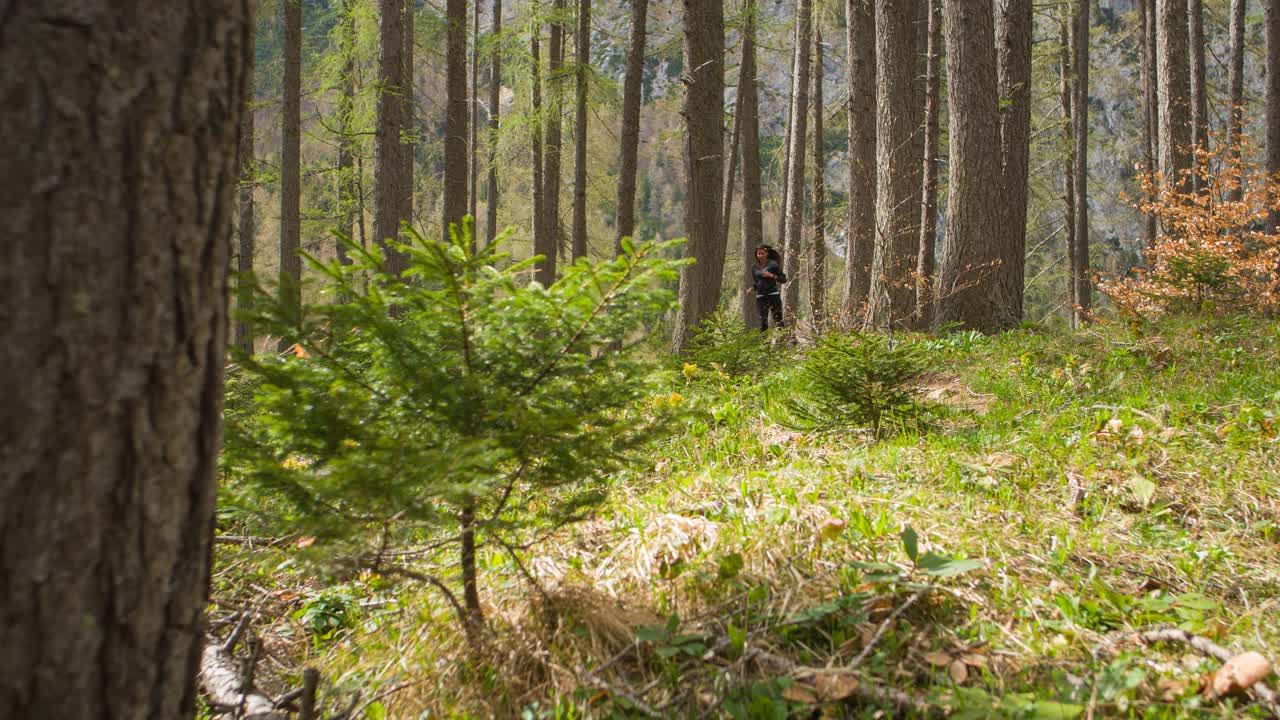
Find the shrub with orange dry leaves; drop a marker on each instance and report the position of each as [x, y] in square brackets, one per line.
[1213, 251]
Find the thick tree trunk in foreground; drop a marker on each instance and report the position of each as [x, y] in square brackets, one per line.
[793, 244]
[898, 157]
[456, 133]
[818, 246]
[247, 229]
[1080, 158]
[704, 164]
[929, 186]
[1272, 24]
[117, 210]
[290, 164]
[1235, 82]
[630, 137]
[582, 54]
[1174, 88]
[861, 232]
[1013, 68]
[495, 111]
[1199, 95]
[1147, 47]
[968, 290]
[749, 121]
[391, 196]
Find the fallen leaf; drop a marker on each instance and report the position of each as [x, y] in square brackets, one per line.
[799, 693]
[958, 672]
[831, 528]
[1237, 675]
[306, 542]
[299, 351]
[974, 660]
[937, 659]
[1172, 688]
[833, 687]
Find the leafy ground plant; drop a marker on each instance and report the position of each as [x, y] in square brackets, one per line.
[450, 408]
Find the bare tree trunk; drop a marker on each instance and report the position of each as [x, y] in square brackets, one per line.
[1174, 87]
[474, 101]
[704, 164]
[408, 157]
[1080, 181]
[495, 111]
[818, 248]
[474, 619]
[1147, 48]
[543, 243]
[630, 139]
[898, 159]
[1013, 67]
[554, 132]
[118, 232]
[1272, 74]
[583, 58]
[456, 116]
[1199, 96]
[929, 189]
[1235, 79]
[247, 229]
[1067, 96]
[748, 119]
[793, 249]
[290, 166]
[968, 292]
[861, 232]
[785, 171]
[731, 169]
[391, 196]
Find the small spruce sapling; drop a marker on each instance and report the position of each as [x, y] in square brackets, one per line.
[455, 408]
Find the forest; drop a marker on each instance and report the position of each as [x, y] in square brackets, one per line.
[727, 358]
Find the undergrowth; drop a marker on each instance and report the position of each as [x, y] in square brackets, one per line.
[1075, 489]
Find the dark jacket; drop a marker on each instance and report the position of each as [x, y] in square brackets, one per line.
[763, 285]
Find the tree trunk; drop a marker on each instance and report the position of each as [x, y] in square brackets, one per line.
[969, 292]
[474, 619]
[731, 169]
[784, 174]
[1272, 74]
[630, 139]
[473, 100]
[929, 187]
[1080, 179]
[1147, 74]
[118, 232]
[456, 116]
[391, 195]
[1235, 104]
[409, 155]
[1067, 95]
[290, 282]
[861, 232]
[1199, 96]
[582, 54]
[346, 185]
[495, 100]
[247, 229]
[748, 120]
[703, 110]
[1174, 88]
[793, 247]
[818, 247]
[1013, 67]
[551, 144]
[543, 244]
[898, 158]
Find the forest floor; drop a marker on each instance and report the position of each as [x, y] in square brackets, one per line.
[1072, 492]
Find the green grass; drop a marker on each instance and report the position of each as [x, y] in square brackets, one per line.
[1108, 481]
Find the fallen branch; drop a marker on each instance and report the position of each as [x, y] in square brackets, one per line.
[884, 626]
[851, 687]
[1265, 695]
[221, 683]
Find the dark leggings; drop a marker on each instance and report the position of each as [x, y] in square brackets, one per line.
[767, 304]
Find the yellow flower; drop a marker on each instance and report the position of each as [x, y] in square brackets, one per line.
[675, 399]
[690, 370]
[294, 462]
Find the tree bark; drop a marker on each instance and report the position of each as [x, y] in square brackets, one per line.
[749, 120]
[409, 154]
[346, 184]
[495, 111]
[1013, 67]
[222, 685]
[630, 139]
[968, 291]
[793, 247]
[1174, 88]
[118, 183]
[1147, 73]
[898, 160]
[582, 53]
[543, 244]
[818, 246]
[861, 232]
[456, 116]
[929, 188]
[290, 283]
[785, 171]
[704, 164]
[1199, 96]
[392, 204]
[247, 229]
[1235, 103]
[1272, 74]
[731, 169]
[473, 101]
[1066, 97]
[1080, 159]
[554, 134]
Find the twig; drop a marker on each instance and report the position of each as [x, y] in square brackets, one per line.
[1205, 646]
[233, 639]
[884, 627]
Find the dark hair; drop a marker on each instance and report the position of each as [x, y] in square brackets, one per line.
[771, 253]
